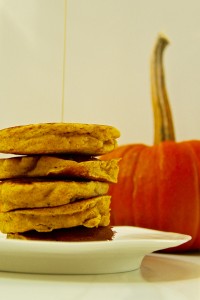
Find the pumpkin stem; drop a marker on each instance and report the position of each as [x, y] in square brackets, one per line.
[163, 123]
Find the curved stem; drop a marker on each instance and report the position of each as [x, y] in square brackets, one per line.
[163, 123]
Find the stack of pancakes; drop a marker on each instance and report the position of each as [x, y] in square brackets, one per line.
[54, 178]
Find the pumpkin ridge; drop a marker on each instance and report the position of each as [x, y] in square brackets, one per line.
[117, 206]
[191, 145]
[116, 194]
[130, 203]
[125, 177]
[158, 200]
[121, 202]
[145, 189]
[179, 190]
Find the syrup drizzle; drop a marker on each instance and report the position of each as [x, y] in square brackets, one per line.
[64, 61]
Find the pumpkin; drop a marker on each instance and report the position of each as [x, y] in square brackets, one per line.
[159, 185]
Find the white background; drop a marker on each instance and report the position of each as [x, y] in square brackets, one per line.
[109, 43]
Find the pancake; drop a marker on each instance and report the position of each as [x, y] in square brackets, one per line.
[90, 213]
[48, 138]
[80, 167]
[20, 194]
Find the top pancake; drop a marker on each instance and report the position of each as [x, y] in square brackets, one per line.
[50, 138]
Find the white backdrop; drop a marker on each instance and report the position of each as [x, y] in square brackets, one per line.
[107, 63]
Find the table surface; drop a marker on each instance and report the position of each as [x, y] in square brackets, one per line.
[161, 276]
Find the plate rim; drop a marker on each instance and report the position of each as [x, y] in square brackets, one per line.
[180, 238]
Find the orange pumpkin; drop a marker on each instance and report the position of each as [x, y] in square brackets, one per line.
[159, 186]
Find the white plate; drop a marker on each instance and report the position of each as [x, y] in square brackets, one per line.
[124, 253]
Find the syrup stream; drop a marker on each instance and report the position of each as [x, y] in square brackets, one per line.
[64, 61]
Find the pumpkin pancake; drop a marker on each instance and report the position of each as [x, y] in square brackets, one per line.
[90, 213]
[51, 166]
[18, 194]
[50, 138]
